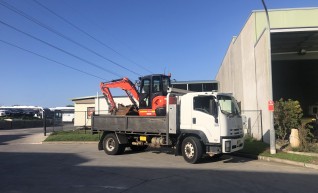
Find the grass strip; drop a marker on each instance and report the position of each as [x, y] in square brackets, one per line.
[77, 135]
[253, 147]
[291, 157]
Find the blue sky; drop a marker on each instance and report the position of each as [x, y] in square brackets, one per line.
[128, 38]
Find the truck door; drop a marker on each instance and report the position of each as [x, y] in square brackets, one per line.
[204, 118]
[144, 96]
[230, 118]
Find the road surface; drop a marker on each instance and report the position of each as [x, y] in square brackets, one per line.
[29, 166]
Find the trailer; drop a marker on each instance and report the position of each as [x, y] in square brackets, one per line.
[200, 123]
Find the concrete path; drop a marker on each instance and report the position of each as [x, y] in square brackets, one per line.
[22, 136]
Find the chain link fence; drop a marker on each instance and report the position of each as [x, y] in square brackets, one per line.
[52, 124]
[79, 120]
[252, 123]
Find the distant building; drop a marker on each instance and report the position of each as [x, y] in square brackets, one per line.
[84, 107]
[197, 86]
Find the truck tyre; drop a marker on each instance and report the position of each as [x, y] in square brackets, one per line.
[191, 150]
[111, 145]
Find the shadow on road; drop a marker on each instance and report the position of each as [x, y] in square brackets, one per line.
[226, 158]
[55, 172]
[5, 139]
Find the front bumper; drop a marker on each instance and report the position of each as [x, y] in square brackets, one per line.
[232, 145]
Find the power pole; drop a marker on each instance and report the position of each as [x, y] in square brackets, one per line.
[270, 89]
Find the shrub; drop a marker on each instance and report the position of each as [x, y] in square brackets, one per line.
[305, 137]
[287, 115]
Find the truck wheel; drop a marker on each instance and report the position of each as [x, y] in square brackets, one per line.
[191, 150]
[112, 146]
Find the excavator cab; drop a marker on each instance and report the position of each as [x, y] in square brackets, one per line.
[152, 94]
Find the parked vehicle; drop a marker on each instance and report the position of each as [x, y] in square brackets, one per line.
[194, 124]
[4, 113]
[67, 113]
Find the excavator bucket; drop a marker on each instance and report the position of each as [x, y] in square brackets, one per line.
[126, 110]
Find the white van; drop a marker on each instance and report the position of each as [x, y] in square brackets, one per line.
[68, 117]
[3, 113]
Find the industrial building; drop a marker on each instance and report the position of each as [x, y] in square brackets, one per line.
[272, 60]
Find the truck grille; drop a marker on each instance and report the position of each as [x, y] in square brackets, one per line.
[238, 131]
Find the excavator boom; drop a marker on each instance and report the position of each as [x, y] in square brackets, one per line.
[124, 84]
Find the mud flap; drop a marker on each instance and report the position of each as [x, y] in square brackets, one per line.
[122, 139]
[100, 143]
[178, 145]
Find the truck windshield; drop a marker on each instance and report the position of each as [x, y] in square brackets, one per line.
[228, 105]
[160, 84]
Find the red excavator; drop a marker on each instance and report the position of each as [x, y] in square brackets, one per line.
[151, 96]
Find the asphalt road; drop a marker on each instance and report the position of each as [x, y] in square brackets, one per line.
[29, 166]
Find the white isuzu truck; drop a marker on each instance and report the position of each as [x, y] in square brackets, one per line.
[199, 123]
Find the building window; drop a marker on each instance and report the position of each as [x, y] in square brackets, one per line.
[90, 112]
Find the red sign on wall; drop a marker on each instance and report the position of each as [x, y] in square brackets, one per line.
[271, 105]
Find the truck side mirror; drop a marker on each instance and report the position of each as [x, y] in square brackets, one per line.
[239, 104]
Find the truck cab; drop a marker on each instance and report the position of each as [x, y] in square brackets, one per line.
[214, 119]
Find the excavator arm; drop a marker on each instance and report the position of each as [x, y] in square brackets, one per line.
[124, 84]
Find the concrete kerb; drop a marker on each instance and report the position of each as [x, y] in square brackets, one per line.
[302, 153]
[270, 159]
[307, 165]
[37, 138]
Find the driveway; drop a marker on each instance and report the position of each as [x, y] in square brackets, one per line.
[35, 167]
